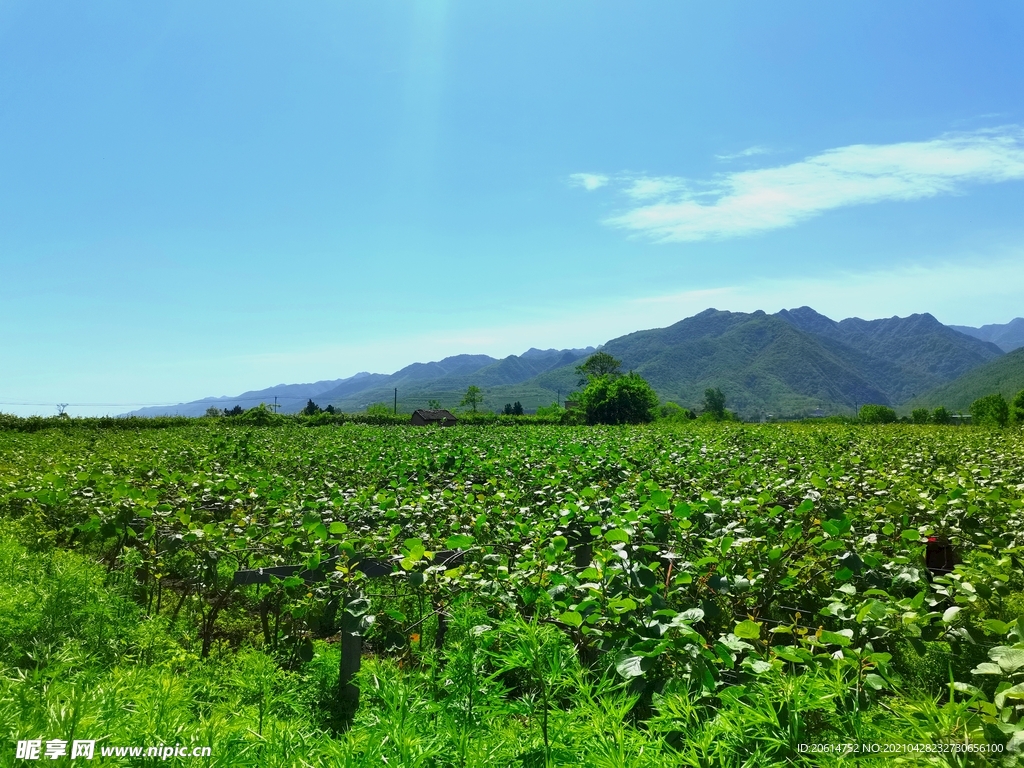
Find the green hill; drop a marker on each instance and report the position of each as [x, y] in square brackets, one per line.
[1004, 375]
[796, 362]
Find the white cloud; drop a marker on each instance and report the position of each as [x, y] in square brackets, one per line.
[748, 152]
[648, 187]
[752, 201]
[589, 181]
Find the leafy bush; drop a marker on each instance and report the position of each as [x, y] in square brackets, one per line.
[920, 416]
[877, 414]
[990, 411]
[10, 422]
[627, 399]
[260, 416]
[1017, 408]
[553, 411]
[714, 403]
[941, 416]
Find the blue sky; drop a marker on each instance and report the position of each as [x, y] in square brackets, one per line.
[198, 199]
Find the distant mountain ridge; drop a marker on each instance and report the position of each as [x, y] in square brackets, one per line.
[1007, 336]
[799, 360]
[794, 362]
[419, 380]
[287, 394]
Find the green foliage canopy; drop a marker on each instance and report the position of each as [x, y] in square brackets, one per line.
[597, 365]
[877, 414]
[473, 397]
[1017, 408]
[624, 400]
[714, 403]
[990, 411]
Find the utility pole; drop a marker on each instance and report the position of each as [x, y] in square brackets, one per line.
[396, 401]
[275, 403]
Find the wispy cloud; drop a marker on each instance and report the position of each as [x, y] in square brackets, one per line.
[649, 187]
[747, 202]
[748, 152]
[589, 181]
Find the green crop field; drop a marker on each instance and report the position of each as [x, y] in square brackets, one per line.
[697, 595]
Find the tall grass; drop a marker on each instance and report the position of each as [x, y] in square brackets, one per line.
[80, 659]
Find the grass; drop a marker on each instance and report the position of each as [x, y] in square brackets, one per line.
[80, 659]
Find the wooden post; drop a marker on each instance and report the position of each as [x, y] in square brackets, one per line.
[442, 625]
[351, 657]
[583, 549]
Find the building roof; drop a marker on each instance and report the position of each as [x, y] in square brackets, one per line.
[439, 414]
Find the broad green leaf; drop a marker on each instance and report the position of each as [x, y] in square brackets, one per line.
[688, 616]
[872, 680]
[834, 638]
[622, 605]
[748, 630]
[572, 618]
[630, 667]
[987, 668]
[1015, 693]
[459, 541]
[1009, 659]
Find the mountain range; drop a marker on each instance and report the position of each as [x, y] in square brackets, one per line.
[1007, 336]
[791, 363]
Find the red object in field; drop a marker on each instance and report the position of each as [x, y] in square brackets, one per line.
[940, 556]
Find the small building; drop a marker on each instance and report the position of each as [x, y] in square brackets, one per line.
[571, 404]
[423, 417]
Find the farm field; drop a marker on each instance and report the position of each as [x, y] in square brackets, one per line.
[589, 596]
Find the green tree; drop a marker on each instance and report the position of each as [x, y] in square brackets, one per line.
[920, 416]
[507, 410]
[553, 411]
[941, 416]
[877, 414]
[214, 411]
[517, 408]
[1017, 408]
[379, 409]
[474, 396]
[598, 364]
[673, 412]
[624, 400]
[311, 409]
[714, 403]
[434, 405]
[236, 411]
[990, 411]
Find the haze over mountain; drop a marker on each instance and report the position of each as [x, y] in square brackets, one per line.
[417, 383]
[1007, 336]
[794, 362]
